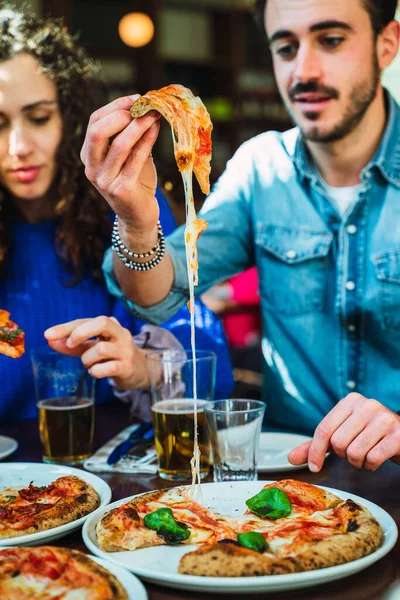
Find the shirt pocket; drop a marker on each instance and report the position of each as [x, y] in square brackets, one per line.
[293, 266]
[387, 268]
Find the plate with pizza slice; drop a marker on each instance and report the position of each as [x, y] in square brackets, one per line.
[243, 536]
[50, 572]
[41, 502]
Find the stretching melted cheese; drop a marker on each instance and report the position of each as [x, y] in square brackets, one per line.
[191, 132]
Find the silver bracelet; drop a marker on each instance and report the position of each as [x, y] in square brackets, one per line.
[123, 252]
[116, 240]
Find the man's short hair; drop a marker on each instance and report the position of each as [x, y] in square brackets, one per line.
[381, 12]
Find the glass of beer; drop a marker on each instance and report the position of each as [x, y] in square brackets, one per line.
[65, 403]
[171, 378]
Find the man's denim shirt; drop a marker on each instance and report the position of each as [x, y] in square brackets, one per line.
[329, 286]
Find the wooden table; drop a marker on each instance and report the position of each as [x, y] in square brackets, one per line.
[382, 487]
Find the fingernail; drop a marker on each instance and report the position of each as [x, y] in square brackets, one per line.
[69, 343]
[313, 467]
[134, 97]
[48, 332]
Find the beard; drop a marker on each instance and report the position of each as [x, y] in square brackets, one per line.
[361, 97]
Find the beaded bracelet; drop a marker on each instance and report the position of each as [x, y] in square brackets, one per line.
[116, 239]
[123, 251]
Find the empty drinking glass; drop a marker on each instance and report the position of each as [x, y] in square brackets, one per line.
[234, 427]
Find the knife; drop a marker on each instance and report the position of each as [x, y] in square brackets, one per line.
[144, 432]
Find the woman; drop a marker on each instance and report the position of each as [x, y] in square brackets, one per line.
[54, 226]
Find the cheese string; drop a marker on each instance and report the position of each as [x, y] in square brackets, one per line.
[191, 261]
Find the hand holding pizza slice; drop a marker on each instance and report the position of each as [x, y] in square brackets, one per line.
[191, 127]
[12, 337]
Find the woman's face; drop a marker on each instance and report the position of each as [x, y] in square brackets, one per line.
[30, 128]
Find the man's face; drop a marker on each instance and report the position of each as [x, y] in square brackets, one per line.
[325, 62]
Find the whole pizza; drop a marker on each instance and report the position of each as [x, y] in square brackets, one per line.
[46, 572]
[289, 526]
[34, 509]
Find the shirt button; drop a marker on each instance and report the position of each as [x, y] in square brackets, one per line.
[367, 175]
[351, 385]
[291, 254]
[351, 328]
[351, 286]
[351, 229]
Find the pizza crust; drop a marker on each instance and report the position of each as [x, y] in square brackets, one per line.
[12, 351]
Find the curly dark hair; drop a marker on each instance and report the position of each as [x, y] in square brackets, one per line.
[83, 216]
[381, 12]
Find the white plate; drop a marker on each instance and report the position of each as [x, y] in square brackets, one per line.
[274, 449]
[133, 586]
[21, 474]
[7, 446]
[160, 564]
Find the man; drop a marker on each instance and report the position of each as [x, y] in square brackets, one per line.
[317, 209]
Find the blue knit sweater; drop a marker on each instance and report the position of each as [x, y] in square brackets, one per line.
[35, 294]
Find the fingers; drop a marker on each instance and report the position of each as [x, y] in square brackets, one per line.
[347, 432]
[101, 351]
[63, 330]
[135, 142]
[100, 326]
[385, 449]
[60, 346]
[325, 430]
[141, 153]
[299, 455]
[107, 369]
[96, 144]
[123, 103]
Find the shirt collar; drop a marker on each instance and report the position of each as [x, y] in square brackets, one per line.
[387, 158]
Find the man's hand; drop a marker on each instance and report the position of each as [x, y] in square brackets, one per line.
[359, 429]
[105, 347]
[122, 170]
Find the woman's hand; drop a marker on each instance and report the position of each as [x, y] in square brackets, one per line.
[105, 347]
[122, 170]
[358, 429]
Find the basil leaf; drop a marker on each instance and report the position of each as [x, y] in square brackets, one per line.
[253, 541]
[159, 518]
[180, 534]
[163, 521]
[271, 503]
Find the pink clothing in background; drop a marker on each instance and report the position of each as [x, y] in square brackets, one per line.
[243, 327]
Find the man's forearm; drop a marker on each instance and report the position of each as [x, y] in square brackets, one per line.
[144, 288]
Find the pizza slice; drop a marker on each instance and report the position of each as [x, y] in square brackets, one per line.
[191, 127]
[12, 337]
[33, 509]
[282, 537]
[47, 572]
[159, 518]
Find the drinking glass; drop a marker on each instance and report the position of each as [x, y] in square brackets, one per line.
[234, 427]
[171, 379]
[65, 403]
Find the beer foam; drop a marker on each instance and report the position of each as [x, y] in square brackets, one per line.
[178, 406]
[78, 403]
